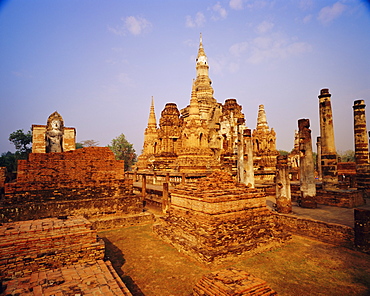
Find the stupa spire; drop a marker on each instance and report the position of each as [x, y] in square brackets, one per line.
[261, 119]
[152, 121]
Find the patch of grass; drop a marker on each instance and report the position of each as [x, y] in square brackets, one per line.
[302, 266]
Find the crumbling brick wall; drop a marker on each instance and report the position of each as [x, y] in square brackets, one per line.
[88, 181]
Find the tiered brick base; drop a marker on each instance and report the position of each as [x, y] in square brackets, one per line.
[88, 279]
[218, 218]
[230, 282]
[88, 182]
[45, 244]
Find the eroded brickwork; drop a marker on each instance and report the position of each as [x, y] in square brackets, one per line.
[44, 244]
[218, 217]
[230, 282]
[86, 181]
[95, 278]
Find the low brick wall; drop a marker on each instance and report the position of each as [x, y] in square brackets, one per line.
[96, 278]
[85, 207]
[332, 233]
[44, 244]
[340, 198]
[116, 221]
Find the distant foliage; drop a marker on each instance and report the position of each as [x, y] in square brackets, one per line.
[89, 143]
[346, 156]
[283, 152]
[123, 150]
[79, 145]
[22, 141]
[9, 160]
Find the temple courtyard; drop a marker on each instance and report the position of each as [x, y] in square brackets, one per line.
[301, 266]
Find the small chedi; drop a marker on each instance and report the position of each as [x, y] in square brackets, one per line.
[218, 217]
[205, 135]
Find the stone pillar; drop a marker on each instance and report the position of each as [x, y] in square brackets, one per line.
[240, 156]
[318, 158]
[165, 198]
[154, 178]
[143, 187]
[361, 148]
[248, 158]
[360, 133]
[283, 195]
[307, 170]
[328, 151]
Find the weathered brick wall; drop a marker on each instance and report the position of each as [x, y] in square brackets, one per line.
[3, 171]
[88, 181]
[327, 232]
[340, 198]
[45, 244]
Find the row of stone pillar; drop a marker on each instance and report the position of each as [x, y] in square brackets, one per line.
[326, 157]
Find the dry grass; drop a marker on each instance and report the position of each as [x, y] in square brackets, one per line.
[301, 267]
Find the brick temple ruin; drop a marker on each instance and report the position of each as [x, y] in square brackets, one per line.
[207, 135]
[223, 171]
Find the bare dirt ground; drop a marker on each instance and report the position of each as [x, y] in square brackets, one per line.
[301, 266]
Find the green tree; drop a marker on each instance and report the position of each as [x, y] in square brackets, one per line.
[123, 150]
[21, 141]
[283, 152]
[79, 145]
[9, 160]
[346, 156]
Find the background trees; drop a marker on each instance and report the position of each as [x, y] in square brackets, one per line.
[123, 150]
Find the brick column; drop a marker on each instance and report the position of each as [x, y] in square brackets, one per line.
[318, 158]
[328, 150]
[143, 187]
[248, 159]
[283, 194]
[307, 171]
[362, 230]
[361, 148]
[165, 198]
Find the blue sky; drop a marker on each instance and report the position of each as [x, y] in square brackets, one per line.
[98, 63]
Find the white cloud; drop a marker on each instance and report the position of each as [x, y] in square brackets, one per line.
[133, 25]
[197, 21]
[306, 4]
[236, 4]
[264, 27]
[126, 80]
[222, 13]
[329, 13]
[274, 48]
[238, 48]
[307, 18]
[136, 25]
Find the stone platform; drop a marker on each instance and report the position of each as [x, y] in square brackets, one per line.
[218, 217]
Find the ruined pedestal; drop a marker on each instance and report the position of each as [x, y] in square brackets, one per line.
[230, 282]
[283, 194]
[217, 218]
[307, 177]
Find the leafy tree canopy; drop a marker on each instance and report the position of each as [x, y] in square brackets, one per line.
[22, 141]
[346, 156]
[283, 152]
[123, 150]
